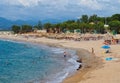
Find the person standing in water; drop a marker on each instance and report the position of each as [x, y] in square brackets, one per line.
[65, 54]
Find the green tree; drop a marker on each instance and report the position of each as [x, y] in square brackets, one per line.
[115, 25]
[16, 28]
[84, 18]
[91, 27]
[100, 27]
[35, 27]
[47, 26]
[78, 21]
[93, 18]
[115, 17]
[63, 26]
[39, 25]
[108, 19]
[57, 27]
[72, 26]
[82, 26]
[70, 21]
[26, 28]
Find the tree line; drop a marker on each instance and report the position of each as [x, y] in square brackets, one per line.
[84, 24]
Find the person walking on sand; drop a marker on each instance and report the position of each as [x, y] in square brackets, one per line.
[93, 51]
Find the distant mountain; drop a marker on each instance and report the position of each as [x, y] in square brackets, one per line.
[53, 21]
[6, 24]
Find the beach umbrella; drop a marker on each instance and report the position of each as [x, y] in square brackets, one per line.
[105, 47]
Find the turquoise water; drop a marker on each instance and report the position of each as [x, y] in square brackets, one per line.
[22, 62]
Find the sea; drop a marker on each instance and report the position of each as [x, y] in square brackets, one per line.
[23, 62]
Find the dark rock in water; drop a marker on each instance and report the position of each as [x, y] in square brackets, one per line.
[80, 61]
[79, 67]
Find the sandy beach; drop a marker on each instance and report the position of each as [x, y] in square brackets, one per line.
[95, 68]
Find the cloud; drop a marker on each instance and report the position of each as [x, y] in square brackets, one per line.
[25, 3]
[28, 3]
[43, 9]
[119, 1]
[91, 4]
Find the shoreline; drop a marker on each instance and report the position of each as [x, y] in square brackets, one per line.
[89, 61]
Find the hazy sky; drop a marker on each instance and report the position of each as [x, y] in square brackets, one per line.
[56, 9]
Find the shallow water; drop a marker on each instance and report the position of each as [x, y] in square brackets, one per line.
[22, 62]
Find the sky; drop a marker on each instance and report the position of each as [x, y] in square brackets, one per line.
[56, 9]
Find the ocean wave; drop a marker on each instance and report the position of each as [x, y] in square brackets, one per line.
[71, 67]
[57, 50]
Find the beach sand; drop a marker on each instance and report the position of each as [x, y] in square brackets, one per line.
[95, 69]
